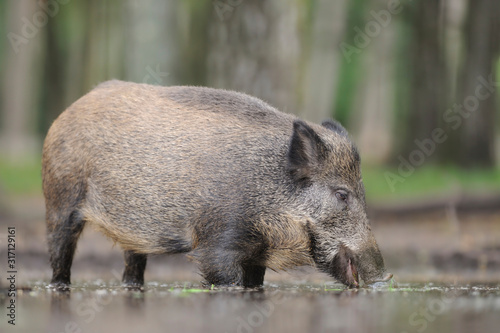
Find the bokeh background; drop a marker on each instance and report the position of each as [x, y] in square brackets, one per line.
[416, 83]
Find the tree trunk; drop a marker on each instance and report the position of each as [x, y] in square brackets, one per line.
[427, 93]
[372, 114]
[54, 88]
[22, 70]
[322, 70]
[152, 41]
[482, 34]
[454, 21]
[255, 49]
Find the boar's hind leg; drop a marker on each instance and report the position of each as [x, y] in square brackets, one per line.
[62, 239]
[135, 264]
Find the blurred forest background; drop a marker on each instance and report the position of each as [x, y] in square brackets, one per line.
[415, 82]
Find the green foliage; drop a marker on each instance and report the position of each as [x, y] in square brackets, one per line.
[428, 180]
[20, 178]
[350, 71]
[195, 71]
[497, 79]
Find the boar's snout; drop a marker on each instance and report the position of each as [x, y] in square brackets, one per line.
[371, 265]
[368, 265]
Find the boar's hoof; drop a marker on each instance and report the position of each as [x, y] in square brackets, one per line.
[60, 286]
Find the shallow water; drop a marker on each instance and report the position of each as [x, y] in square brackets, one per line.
[99, 306]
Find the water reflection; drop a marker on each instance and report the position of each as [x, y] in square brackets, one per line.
[277, 308]
[60, 313]
[135, 300]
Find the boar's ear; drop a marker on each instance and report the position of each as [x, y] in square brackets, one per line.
[335, 126]
[306, 151]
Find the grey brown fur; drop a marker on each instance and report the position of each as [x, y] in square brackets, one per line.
[219, 174]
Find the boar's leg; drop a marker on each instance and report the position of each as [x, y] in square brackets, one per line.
[223, 267]
[135, 264]
[230, 257]
[62, 238]
[253, 275]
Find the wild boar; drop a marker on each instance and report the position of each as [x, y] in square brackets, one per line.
[217, 174]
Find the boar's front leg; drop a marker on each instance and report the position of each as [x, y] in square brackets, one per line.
[253, 275]
[135, 264]
[223, 267]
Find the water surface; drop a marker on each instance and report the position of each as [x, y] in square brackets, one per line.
[99, 306]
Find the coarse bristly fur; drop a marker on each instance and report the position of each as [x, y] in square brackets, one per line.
[219, 174]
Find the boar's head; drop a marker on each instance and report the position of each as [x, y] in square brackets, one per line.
[325, 168]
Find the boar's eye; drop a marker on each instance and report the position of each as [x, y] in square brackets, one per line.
[341, 195]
